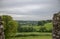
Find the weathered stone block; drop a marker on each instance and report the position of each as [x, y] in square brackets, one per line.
[56, 26]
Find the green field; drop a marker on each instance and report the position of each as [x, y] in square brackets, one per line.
[33, 35]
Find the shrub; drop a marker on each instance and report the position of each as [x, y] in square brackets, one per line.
[42, 29]
[26, 29]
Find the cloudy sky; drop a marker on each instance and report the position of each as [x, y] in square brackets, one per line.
[29, 9]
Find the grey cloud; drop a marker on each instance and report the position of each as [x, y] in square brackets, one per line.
[54, 6]
[36, 18]
[12, 3]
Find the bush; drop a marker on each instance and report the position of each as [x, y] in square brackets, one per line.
[42, 29]
[49, 27]
[26, 29]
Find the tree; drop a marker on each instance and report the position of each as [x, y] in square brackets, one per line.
[26, 29]
[10, 26]
[42, 29]
[41, 23]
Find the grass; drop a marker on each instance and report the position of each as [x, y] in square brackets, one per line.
[47, 25]
[33, 35]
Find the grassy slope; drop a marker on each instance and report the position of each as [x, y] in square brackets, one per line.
[48, 25]
[34, 33]
[26, 35]
[34, 37]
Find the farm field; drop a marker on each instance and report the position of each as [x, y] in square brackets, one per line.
[33, 35]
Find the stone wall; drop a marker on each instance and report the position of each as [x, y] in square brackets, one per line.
[56, 26]
[1, 29]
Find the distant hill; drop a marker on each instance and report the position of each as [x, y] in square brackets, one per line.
[32, 23]
[28, 22]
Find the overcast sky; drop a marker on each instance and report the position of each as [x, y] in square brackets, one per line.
[29, 9]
